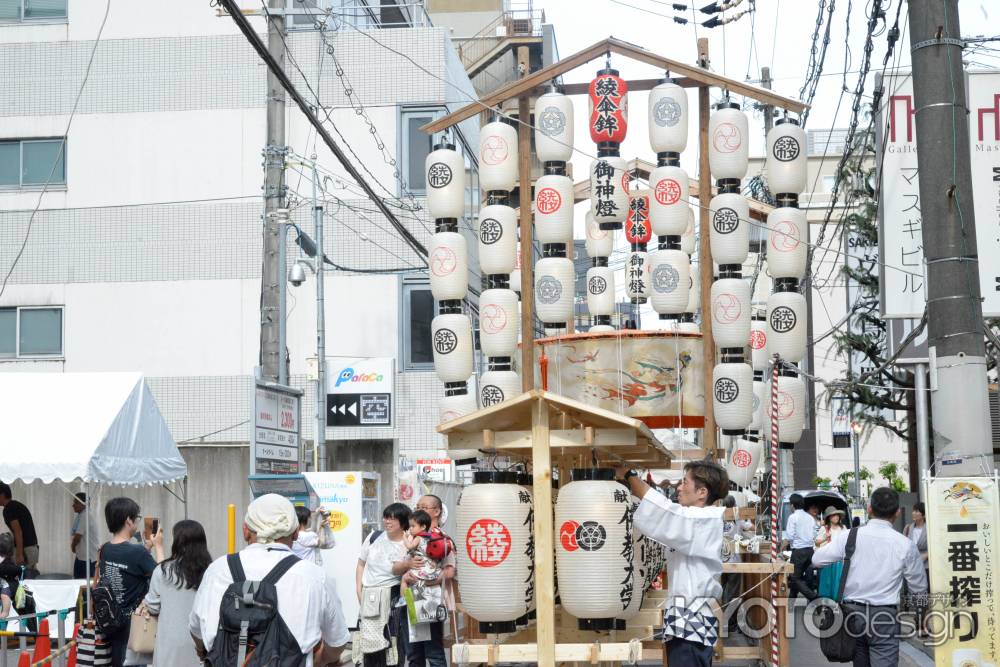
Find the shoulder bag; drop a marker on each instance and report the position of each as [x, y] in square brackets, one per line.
[840, 644]
[142, 633]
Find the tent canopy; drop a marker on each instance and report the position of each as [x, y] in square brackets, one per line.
[96, 427]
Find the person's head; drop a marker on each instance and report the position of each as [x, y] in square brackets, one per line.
[730, 501]
[855, 522]
[704, 483]
[122, 516]
[302, 514]
[395, 518]
[5, 494]
[433, 506]
[884, 504]
[919, 513]
[270, 518]
[813, 509]
[79, 502]
[6, 546]
[420, 522]
[796, 501]
[832, 516]
[189, 557]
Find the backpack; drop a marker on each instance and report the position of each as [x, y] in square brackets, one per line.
[108, 614]
[251, 630]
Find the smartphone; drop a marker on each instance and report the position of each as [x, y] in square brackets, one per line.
[156, 526]
[151, 523]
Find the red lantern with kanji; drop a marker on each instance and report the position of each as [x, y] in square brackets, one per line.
[638, 228]
[608, 107]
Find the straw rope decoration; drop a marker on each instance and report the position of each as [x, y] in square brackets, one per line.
[774, 509]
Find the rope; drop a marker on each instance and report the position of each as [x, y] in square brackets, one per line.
[57, 654]
[775, 658]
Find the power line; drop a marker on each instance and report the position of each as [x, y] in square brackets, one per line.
[62, 147]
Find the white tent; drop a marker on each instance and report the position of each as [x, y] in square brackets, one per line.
[100, 428]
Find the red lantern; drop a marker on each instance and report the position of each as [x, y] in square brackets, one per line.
[608, 108]
[638, 229]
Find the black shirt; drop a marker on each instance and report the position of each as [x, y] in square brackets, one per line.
[125, 568]
[15, 511]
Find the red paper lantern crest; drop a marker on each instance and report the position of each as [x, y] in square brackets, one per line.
[638, 228]
[608, 107]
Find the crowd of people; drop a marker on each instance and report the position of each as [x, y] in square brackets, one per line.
[272, 599]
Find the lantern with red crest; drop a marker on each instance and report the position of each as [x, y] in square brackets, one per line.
[608, 108]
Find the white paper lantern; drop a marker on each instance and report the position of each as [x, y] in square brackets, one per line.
[515, 280]
[688, 327]
[689, 238]
[600, 328]
[694, 294]
[670, 281]
[497, 157]
[445, 172]
[493, 537]
[732, 389]
[637, 275]
[668, 118]
[729, 142]
[639, 573]
[554, 127]
[730, 231]
[600, 242]
[455, 406]
[452, 340]
[791, 408]
[743, 461]
[498, 322]
[591, 539]
[609, 181]
[786, 157]
[554, 209]
[448, 261]
[761, 400]
[668, 200]
[731, 312]
[788, 241]
[554, 277]
[786, 325]
[600, 290]
[758, 343]
[495, 387]
[497, 239]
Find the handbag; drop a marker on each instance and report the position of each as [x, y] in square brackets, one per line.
[839, 645]
[142, 633]
[91, 649]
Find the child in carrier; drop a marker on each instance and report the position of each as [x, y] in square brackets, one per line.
[433, 546]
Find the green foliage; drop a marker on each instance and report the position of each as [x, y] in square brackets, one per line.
[848, 475]
[890, 471]
[822, 482]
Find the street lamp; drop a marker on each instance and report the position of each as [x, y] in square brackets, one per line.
[857, 428]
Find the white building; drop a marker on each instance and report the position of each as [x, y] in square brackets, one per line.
[145, 251]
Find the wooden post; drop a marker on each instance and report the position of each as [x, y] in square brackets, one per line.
[707, 272]
[526, 235]
[541, 467]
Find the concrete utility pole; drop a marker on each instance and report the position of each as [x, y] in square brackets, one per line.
[320, 259]
[959, 401]
[272, 356]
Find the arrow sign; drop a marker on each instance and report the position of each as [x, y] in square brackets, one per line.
[373, 409]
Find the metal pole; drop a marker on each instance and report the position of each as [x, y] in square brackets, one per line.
[282, 301]
[272, 280]
[765, 82]
[955, 316]
[857, 465]
[320, 438]
[923, 440]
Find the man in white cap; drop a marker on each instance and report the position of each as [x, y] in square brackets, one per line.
[308, 603]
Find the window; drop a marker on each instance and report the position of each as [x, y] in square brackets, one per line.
[415, 324]
[828, 183]
[31, 332]
[32, 162]
[32, 10]
[416, 146]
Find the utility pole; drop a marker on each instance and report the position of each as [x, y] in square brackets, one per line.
[765, 82]
[319, 260]
[959, 399]
[272, 355]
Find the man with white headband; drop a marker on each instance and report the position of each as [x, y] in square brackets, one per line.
[308, 603]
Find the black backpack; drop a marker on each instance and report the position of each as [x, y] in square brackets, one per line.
[108, 614]
[251, 631]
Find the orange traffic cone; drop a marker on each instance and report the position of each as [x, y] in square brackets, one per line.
[24, 660]
[71, 660]
[43, 645]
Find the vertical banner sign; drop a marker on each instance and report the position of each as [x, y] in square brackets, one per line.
[901, 246]
[899, 207]
[277, 414]
[863, 258]
[964, 567]
[984, 131]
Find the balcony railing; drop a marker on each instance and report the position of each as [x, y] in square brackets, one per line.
[509, 24]
[359, 14]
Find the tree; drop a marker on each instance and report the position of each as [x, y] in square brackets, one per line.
[822, 482]
[891, 473]
[848, 475]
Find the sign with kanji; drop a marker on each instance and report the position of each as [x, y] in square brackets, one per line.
[487, 542]
[964, 559]
[608, 95]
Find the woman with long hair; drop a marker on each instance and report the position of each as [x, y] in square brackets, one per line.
[171, 594]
